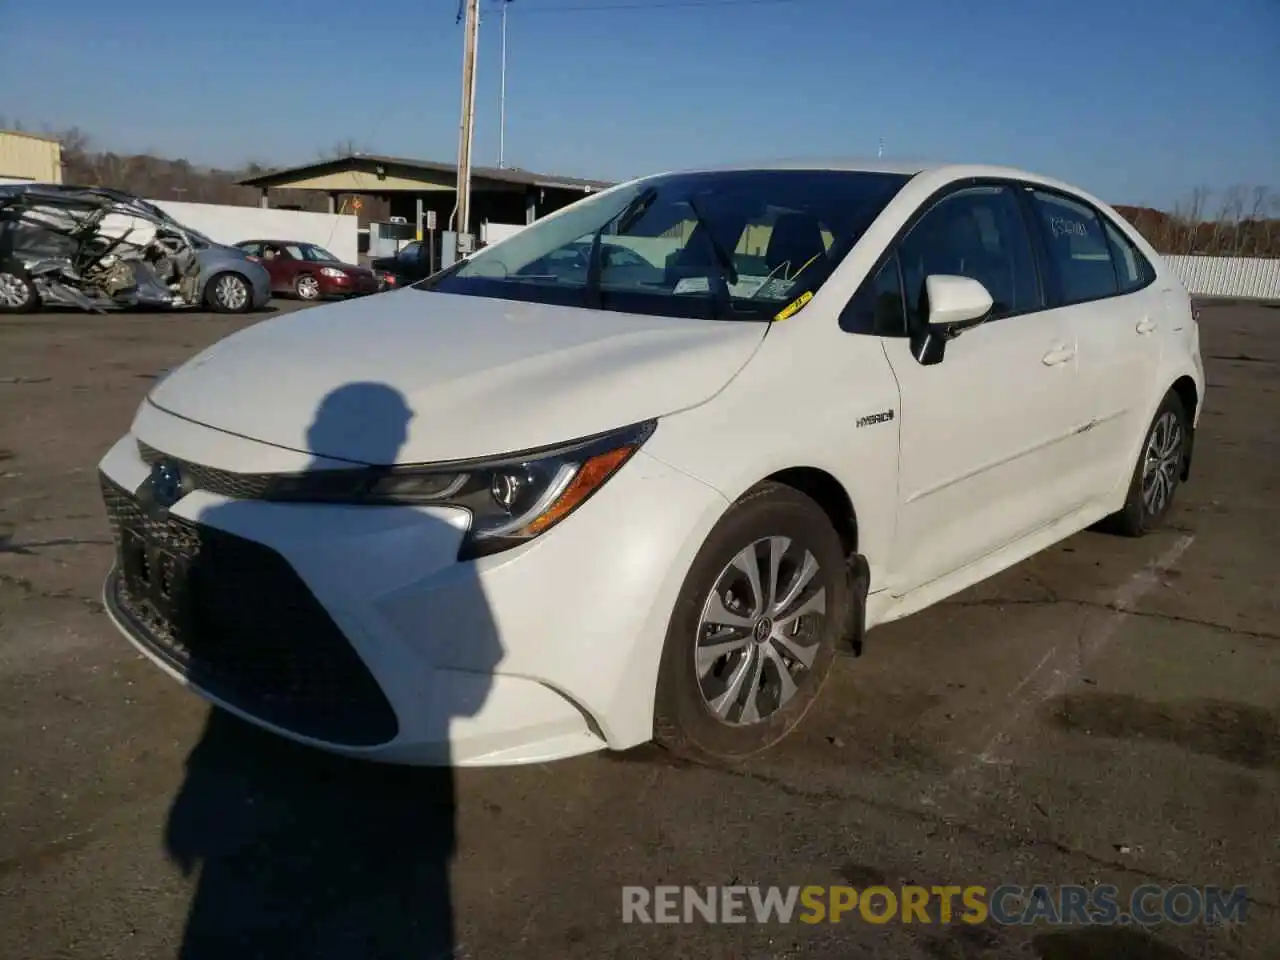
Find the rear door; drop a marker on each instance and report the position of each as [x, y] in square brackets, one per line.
[988, 439]
[1104, 287]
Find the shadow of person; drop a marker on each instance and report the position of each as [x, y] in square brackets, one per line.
[302, 853]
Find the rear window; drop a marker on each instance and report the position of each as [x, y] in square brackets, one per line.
[1076, 242]
[1133, 269]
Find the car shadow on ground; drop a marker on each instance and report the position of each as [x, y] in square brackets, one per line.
[301, 853]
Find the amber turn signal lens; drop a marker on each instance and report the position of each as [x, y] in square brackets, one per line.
[589, 478]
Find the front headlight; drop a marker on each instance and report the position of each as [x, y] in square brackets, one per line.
[511, 499]
[333, 272]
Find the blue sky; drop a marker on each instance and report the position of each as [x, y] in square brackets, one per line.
[1137, 101]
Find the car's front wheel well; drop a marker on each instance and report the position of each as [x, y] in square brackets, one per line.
[830, 494]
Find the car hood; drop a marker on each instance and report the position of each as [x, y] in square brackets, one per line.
[414, 377]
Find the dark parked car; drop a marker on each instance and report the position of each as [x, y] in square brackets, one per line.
[309, 272]
[407, 266]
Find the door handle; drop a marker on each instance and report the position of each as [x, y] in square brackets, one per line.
[1059, 355]
[1145, 325]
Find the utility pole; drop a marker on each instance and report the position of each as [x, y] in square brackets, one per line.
[502, 97]
[470, 41]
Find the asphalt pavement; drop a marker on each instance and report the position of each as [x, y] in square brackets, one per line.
[1105, 713]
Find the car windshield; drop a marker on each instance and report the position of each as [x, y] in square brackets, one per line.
[729, 245]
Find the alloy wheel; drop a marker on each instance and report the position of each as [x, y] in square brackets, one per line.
[760, 630]
[308, 288]
[231, 292]
[14, 291]
[1161, 462]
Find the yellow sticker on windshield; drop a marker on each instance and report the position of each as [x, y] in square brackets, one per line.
[794, 306]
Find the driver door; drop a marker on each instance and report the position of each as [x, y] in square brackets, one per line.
[989, 452]
[280, 266]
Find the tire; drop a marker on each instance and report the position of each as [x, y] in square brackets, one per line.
[306, 287]
[686, 720]
[17, 290]
[220, 294]
[1157, 473]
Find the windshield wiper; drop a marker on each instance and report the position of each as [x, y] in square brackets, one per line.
[625, 219]
[728, 272]
[722, 256]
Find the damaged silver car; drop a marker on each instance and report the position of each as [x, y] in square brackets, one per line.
[100, 249]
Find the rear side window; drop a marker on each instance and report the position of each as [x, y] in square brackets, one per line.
[1133, 270]
[1077, 248]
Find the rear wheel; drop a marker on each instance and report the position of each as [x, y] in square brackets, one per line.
[229, 293]
[17, 290]
[1158, 472]
[754, 631]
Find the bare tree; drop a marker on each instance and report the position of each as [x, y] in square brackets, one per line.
[1195, 217]
[347, 147]
[1255, 225]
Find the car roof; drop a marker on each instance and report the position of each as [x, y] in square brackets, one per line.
[939, 171]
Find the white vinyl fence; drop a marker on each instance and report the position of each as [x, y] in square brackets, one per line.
[336, 232]
[1247, 278]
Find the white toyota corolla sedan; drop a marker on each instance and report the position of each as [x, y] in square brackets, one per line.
[641, 470]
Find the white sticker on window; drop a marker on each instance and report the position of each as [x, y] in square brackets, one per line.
[1065, 227]
[693, 285]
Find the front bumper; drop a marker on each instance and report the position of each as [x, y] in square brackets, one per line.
[348, 286]
[356, 630]
[260, 281]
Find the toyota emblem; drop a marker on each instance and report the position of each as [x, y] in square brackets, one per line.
[165, 484]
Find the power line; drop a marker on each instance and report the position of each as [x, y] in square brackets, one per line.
[652, 5]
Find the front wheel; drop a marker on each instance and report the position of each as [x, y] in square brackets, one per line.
[307, 287]
[1157, 473]
[17, 290]
[754, 630]
[229, 293]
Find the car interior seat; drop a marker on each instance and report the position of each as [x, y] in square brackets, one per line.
[794, 243]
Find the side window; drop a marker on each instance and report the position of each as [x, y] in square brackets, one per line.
[1132, 268]
[977, 232]
[877, 306]
[253, 249]
[1077, 248]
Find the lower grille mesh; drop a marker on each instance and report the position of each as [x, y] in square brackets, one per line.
[234, 617]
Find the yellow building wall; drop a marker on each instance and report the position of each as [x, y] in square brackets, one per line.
[25, 156]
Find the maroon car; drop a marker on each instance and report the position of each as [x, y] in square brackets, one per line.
[307, 271]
